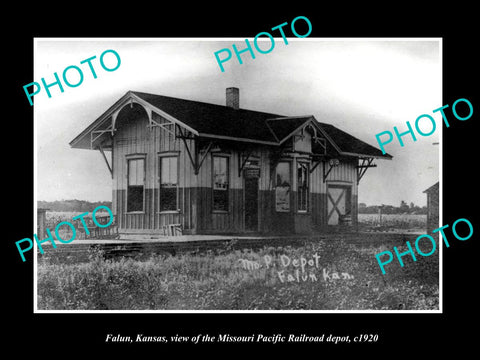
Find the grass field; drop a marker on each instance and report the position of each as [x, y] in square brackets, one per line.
[324, 275]
[399, 221]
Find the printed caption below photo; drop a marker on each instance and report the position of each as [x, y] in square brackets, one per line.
[254, 338]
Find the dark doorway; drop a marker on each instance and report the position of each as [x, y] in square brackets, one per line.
[251, 204]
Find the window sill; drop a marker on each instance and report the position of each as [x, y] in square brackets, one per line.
[134, 212]
[220, 211]
[169, 212]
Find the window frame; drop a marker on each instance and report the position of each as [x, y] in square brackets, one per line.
[289, 162]
[161, 156]
[227, 159]
[135, 157]
[306, 165]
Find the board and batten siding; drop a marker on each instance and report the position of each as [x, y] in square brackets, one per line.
[136, 138]
[209, 220]
[345, 172]
[195, 201]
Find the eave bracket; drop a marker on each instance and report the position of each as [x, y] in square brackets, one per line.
[362, 168]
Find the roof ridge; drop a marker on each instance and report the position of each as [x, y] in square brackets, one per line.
[290, 117]
[206, 103]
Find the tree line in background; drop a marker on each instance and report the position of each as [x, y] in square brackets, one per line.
[72, 205]
[404, 208]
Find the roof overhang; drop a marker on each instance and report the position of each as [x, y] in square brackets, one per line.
[93, 135]
[99, 133]
[348, 153]
[365, 156]
[316, 126]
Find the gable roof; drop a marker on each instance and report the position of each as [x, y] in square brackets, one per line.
[283, 127]
[350, 145]
[212, 119]
[223, 122]
[433, 188]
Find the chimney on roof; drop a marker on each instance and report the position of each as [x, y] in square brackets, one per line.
[233, 98]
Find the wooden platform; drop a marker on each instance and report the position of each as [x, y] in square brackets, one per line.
[173, 245]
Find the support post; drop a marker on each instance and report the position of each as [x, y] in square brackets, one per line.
[241, 164]
[315, 165]
[106, 161]
[199, 164]
[325, 174]
[189, 153]
[194, 158]
[362, 169]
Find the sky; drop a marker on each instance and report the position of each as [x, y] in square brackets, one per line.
[362, 86]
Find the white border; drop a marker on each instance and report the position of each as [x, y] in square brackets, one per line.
[439, 311]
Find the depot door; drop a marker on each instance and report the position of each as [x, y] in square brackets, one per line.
[251, 204]
[338, 203]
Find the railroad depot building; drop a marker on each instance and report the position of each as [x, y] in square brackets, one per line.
[216, 169]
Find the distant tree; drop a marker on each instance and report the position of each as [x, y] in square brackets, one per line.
[403, 207]
[372, 209]
[72, 205]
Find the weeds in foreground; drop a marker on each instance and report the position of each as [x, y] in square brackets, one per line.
[240, 279]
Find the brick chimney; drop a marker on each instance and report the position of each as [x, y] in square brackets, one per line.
[233, 98]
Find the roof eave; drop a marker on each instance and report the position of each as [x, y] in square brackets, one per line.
[119, 104]
[437, 184]
[385, 157]
[100, 120]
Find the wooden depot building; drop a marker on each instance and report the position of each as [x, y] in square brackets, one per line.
[223, 169]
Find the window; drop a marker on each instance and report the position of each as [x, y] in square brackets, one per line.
[282, 187]
[168, 183]
[302, 186]
[220, 183]
[135, 186]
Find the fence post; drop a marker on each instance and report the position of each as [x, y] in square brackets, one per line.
[41, 221]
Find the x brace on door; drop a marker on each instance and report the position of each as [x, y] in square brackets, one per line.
[335, 204]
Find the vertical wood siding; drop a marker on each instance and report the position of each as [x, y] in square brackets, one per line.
[345, 172]
[195, 191]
